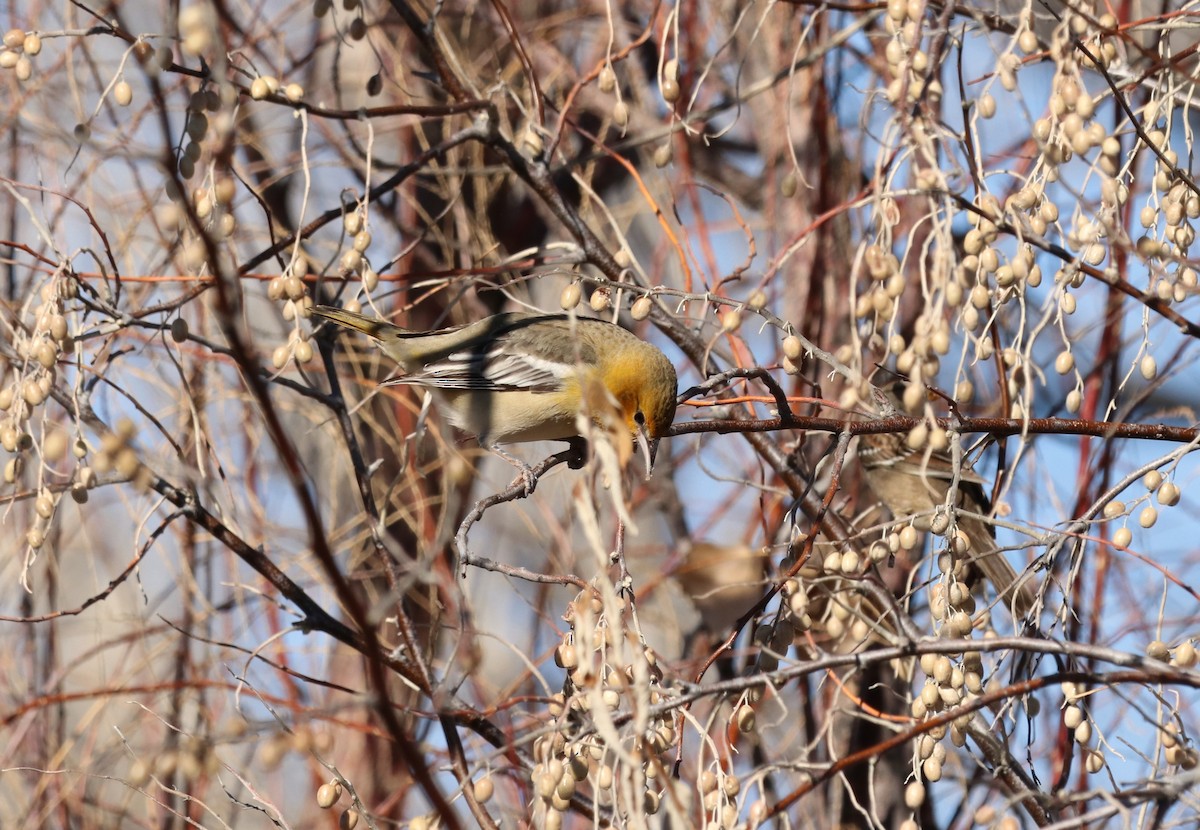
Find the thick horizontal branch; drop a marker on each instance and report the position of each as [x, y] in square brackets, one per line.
[991, 426]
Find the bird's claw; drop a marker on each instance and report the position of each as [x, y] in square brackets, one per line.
[527, 477]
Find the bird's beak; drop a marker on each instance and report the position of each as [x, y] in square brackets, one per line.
[648, 446]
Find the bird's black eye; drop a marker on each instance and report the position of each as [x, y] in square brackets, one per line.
[639, 418]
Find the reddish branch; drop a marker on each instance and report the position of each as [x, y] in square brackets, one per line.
[992, 426]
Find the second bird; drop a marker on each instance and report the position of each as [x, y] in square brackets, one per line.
[914, 484]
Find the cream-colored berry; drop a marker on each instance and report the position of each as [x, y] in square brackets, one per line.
[1185, 655]
[327, 795]
[851, 562]
[663, 154]
[792, 347]
[980, 296]
[46, 354]
[484, 788]
[939, 439]
[608, 79]
[570, 297]
[918, 436]
[1148, 516]
[789, 185]
[293, 287]
[670, 90]
[620, 114]
[1168, 494]
[32, 393]
[931, 769]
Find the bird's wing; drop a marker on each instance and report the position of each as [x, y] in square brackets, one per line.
[506, 361]
[494, 371]
[514, 353]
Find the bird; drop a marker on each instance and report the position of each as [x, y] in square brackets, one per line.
[521, 376]
[913, 483]
[723, 581]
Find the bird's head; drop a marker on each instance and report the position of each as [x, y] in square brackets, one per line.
[888, 396]
[644, 385]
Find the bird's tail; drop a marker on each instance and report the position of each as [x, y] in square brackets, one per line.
[1017, 594]
[377, 329]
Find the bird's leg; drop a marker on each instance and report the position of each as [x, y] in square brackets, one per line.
[527, 474]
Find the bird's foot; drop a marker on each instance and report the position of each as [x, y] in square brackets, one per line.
[527, 477]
